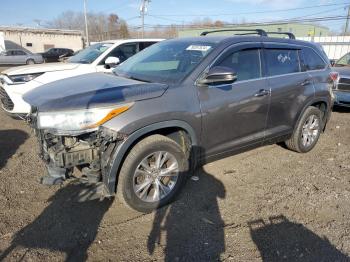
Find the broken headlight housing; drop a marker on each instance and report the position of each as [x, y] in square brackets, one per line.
[17, 79]
[78, 121]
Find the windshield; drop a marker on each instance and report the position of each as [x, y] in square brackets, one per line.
[165, 62]
[90, 54]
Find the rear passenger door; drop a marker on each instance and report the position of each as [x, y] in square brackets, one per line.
[289, 87]
[316, 66]
[234, 115]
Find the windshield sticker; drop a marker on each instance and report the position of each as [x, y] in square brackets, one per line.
[202, 48]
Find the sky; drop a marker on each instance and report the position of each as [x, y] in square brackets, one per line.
[24, 12]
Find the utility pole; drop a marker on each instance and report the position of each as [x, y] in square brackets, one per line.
[347, 21]
[86, 25]
[143, 11]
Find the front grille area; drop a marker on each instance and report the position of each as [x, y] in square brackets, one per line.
[343, 87]
[344, 80]
[6, 100]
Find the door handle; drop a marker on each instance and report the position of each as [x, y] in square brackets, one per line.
[306, 82]
[262, 92]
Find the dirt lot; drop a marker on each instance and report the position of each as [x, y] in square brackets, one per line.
[2, 68]
[267, 204]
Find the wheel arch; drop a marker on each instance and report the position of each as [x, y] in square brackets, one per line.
[172, 129]
[320, 103]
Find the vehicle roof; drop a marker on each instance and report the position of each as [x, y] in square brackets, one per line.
[239, 38]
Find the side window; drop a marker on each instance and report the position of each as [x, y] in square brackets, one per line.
[311, 60]
[282, 61]
[20, 52]
[246, 64]
[123, 51]
[143, 45]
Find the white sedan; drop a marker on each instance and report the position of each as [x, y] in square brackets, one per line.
[100, 57]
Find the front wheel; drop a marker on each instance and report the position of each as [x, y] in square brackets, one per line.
[307, 131]
[152, 173]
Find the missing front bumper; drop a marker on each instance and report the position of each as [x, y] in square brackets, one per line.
[91, 153]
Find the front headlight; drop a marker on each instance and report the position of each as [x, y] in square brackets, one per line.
[16, 79]
[79, 120]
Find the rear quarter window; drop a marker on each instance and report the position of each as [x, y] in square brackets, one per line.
[311, 60]
[282, 61]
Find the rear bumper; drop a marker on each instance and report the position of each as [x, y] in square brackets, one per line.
[342, 98]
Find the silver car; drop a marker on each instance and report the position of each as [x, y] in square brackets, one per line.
[19, 57]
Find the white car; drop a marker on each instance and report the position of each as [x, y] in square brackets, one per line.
[99, 57]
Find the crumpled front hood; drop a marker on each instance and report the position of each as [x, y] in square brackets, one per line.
[90, 91]
[40, 68]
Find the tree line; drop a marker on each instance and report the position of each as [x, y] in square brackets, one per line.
[110, 26]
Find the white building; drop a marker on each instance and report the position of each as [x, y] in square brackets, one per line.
[2, 42]
[40, 39]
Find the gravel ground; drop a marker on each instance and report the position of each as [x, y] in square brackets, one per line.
[269, 204]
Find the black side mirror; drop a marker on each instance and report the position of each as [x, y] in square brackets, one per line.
[218, 75]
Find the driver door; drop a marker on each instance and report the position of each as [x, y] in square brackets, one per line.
[234, 115]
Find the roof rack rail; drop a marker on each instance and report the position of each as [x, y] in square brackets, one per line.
[257, 31]
[290, 35]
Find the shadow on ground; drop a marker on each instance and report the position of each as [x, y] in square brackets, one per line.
[68, 224]
[10, 141]
[341, 109]
[283, 240]
[191, 229]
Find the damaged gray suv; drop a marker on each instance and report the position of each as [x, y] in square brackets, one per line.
[141, 131]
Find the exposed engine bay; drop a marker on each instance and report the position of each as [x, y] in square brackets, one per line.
[91, 153]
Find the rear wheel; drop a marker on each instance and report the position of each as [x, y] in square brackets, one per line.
[30, 62]
[307, 132]
[152, 174]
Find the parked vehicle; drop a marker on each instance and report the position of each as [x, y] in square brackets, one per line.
[19, 57]
[342, 86]
[54, 54]
[178, 104]
[100, 57]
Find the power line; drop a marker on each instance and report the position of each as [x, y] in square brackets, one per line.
[276, 22]
[308, 15]
[255, 12]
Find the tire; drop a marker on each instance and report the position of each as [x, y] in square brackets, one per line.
[148, 150]
[304, 132]
[30, 62]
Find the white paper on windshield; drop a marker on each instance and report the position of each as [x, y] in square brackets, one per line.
[202, 48]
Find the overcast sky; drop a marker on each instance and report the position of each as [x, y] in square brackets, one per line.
[23, 12]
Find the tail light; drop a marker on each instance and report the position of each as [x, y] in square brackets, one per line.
[334, 76]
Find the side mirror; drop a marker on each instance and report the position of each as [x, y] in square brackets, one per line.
[218, 75]
[112, 61]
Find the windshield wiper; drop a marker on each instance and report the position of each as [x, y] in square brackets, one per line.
[138, 79]
[130, 77]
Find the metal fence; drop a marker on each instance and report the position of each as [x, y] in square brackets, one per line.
[334, 46]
